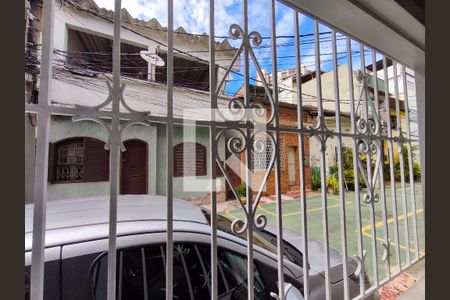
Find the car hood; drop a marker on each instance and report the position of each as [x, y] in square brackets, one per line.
[316, 254]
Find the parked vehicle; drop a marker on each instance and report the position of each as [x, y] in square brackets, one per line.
[77, 241]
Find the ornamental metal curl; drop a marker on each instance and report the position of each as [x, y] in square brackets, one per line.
[89, 114]
[386, 251]
[368, 128]
[360, 261]
[237, 144]
[253, 38]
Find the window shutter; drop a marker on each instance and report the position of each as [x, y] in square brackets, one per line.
[96, 160]
[51, 163]
[178, 160]
[184, 166]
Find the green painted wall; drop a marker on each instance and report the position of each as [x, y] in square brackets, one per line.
[155, 137]
[64, 127]
[195, 183]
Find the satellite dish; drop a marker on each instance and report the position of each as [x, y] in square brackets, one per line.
[152, 58]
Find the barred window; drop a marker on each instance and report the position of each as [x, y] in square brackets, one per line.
[78, 160]
[261, 161]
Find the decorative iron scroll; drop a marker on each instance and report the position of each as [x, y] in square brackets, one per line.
[237, 145]
[255, 110]
[367, 129]
[239, 111]
[88, 114]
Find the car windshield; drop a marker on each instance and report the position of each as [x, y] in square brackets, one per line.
[260, 238]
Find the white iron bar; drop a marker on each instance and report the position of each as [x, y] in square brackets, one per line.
[355, 167]
[280, 243]
[249, 192]
[41, 166]
[322, 140]
[369, 171]
[402, 166]
[114, 157]
[391, 165]
[169, 159]
[119, 288]
[213, 145]
[301, 154]
[340, 167]
[381, 170]
[144, 273]
[410, 162]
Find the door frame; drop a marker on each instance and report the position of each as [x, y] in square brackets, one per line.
[146, 165]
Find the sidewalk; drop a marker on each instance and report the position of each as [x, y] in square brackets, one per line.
[407, 286]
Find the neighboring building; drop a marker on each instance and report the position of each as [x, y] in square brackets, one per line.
[290, 174]
[78, 162]
[309, 92]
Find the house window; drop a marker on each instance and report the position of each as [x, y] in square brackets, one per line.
[70, 164]
[78, 160]
[261, 161]
[189, 159]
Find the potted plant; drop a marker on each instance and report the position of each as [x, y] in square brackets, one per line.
[332, 184]
[241, 190]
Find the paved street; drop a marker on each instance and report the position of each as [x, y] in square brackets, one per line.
[292, 220]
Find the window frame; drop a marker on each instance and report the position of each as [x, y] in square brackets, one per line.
[179, 171]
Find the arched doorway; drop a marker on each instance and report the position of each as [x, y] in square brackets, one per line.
[134, 167]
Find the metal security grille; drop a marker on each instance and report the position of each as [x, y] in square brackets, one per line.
[371, 138]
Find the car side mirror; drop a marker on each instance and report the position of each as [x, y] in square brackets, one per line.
[291, 292]
[294, 294]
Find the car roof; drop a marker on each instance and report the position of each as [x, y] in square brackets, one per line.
[89, 216]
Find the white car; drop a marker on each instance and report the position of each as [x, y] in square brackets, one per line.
[76, 246]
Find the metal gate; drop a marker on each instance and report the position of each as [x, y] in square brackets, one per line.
[373, 146]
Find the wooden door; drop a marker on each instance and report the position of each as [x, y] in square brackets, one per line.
[291, 165]
[134, 168]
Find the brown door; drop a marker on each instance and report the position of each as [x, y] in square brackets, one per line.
[134, 168]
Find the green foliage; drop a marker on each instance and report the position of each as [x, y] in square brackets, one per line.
[241, 190]
[315, 178]
[333, 183]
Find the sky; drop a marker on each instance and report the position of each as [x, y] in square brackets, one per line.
[193, 16]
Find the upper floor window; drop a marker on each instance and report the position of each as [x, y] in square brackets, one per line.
[80, 159]
[189, 159]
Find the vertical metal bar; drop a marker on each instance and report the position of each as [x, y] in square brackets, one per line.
[369, 169]
[144, 274]
[213, 150]
[410, 163]
[248, 155]
[169, 159]
[119, 288]
[41, 167]
[322, 139]
[280, 244]
[391, 163]
[355, 165]
[301, 157]
[340, 165]
[114, 156]
[381, 170]
[402, 170]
